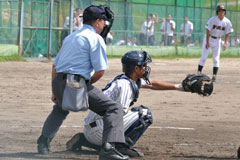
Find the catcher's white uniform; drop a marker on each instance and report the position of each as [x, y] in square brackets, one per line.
[217, 29]
[122, 92]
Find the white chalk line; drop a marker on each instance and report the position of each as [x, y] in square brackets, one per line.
[207, 144]
[66, 126]
[168, 127]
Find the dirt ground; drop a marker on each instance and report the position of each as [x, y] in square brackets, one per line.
[186, 126]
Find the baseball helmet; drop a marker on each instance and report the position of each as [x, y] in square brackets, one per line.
[136, 58]
[221, 7]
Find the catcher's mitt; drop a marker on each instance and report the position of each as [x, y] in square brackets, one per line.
[200, 84]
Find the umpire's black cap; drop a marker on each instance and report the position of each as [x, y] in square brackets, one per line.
[94, 12]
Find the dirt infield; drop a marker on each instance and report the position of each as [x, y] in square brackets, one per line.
[186, 126]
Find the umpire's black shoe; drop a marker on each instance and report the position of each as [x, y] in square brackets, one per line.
[238, 153]
[109, 152]
[43, 145]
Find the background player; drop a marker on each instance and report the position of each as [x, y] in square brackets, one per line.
[124, 89]
[216, 27]
[186, 31]
[167, 28]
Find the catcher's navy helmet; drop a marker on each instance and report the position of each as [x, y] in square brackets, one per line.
[136, 58]
[221, 7]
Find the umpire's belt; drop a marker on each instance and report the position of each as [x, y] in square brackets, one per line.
[215, 37]
[77, 77]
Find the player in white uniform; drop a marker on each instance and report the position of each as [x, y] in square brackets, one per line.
[216, 27]
[124, 89]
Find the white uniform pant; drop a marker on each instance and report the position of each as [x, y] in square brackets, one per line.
[94, 133]
[215, 45]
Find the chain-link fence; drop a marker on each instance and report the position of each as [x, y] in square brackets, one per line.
[130, 15]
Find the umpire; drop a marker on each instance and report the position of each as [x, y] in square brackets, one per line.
[82, 52]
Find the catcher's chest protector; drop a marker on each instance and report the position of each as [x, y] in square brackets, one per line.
[135, 85]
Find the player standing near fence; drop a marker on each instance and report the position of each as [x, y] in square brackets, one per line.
[216, 27]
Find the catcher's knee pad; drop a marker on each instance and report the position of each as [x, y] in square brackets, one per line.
[135, 131]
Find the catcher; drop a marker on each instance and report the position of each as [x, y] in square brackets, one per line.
[124, 89]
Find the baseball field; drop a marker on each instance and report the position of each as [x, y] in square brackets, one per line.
[186, 126]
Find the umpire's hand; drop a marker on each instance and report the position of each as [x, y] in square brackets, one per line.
[53, 98]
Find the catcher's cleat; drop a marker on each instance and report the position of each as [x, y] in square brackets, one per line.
[43, 145]
[79, 140]
[131, 152]
[74, 140]
[238, 153]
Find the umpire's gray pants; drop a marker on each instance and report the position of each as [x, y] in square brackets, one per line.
[98, 102]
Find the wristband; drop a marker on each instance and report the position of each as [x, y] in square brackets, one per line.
[179, 87]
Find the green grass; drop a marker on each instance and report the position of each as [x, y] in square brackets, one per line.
[169, 52]
[9, 53]
[8, 49]
[11, 58]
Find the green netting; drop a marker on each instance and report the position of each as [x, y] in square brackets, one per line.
[129, 17]
[8, 22]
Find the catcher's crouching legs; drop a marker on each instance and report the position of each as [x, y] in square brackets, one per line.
[135, 131]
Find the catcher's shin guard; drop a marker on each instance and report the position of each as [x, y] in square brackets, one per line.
[136, 130]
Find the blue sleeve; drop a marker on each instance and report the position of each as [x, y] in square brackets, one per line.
[98, 55]
[56, 60]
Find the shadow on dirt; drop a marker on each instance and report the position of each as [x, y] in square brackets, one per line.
[83, 155]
